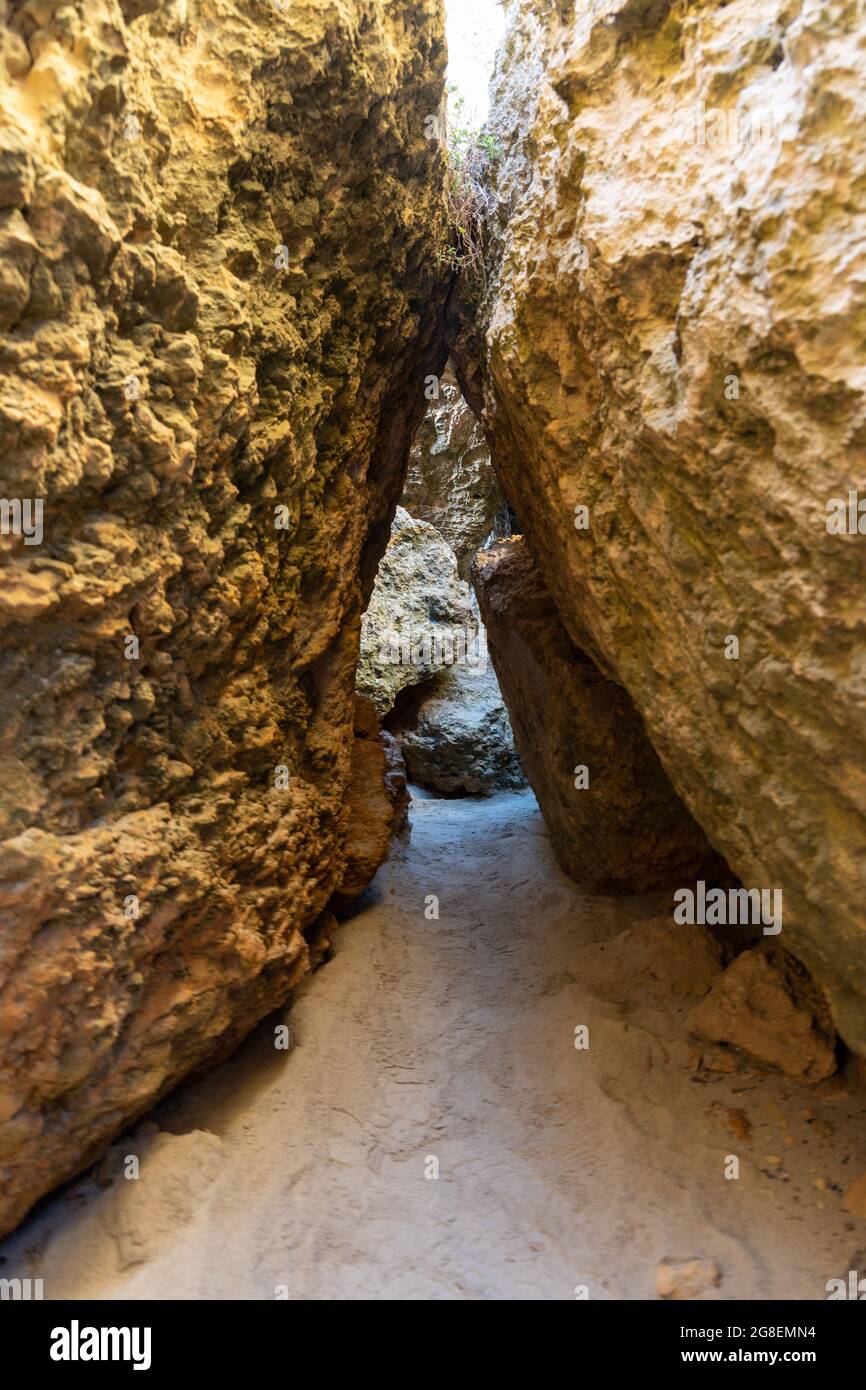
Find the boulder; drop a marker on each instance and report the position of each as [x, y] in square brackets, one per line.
[669, 360]
[766, 1005]
[420, 618]
[451, 481]
[459, 741]
[614, 820]
[219, 302]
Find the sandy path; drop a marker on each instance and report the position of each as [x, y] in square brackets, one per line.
[454, 1040]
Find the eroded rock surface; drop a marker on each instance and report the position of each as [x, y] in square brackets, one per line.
[420, 617]
[425, 666]
[674, 342]
[451, 481]
[459, 740]
[766, 1005]
[377, 802]
[219, 300]
[625, 829]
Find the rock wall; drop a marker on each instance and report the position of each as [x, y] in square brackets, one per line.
[614, 820]
[451, 480]
[672, 339]
[219, 300]
[420, 618]
[458, 738]
[378, 803]
[424, 666]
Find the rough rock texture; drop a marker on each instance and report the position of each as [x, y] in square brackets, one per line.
[626, 830]
[675, 341]
[765, 1004]
[683, 1279]
[459, 740]
[219, 301]
[377, 799]
[451, 482]
[420, 616]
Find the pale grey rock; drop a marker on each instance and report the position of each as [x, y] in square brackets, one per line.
[460, 740]
[421, 615]
[451, 481]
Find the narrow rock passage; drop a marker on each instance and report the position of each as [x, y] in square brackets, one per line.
[303, 1172]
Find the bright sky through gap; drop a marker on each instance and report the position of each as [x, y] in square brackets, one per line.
[474, 28]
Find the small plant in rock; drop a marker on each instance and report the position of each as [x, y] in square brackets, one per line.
[471, 155]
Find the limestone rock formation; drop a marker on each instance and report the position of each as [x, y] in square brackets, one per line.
[451, 482]
[420, 618]
[377, 803]
[766, 1005]
[672, 340]
[219, 301]
[459, 741]
[424, 664]
[626, 829]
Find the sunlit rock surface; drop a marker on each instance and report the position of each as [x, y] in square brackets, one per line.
[458, 741]
[219, 301]
[424, 665]
[673, 340]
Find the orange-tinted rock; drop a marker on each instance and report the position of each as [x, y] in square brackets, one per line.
[671, 339]
[766, 1004]
[626, 830]
[377, 802]
[221, 298]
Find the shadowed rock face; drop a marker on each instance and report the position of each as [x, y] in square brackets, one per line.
[458, 741]
[626, 830]
[218, 304]
[424, 666]
[451, 482]
[674, 341]
[378, 803]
